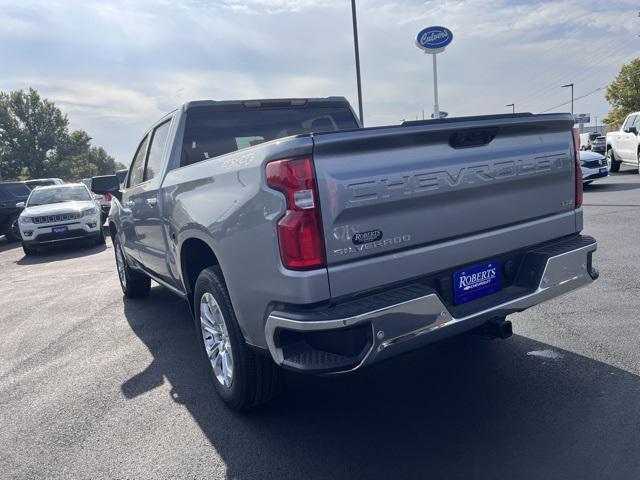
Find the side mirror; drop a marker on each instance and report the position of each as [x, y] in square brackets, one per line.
[106, 184]
[20, 205]
[633, 130]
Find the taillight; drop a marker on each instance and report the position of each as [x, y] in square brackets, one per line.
[578, 176]
[107, 197]
[299, 231]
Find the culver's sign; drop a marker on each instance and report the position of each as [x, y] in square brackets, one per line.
[434, 38]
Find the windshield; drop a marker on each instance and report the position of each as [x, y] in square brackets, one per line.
[121, 176]
[11, 191]
[45, 196]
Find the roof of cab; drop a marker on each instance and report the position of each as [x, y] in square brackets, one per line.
[269, 103]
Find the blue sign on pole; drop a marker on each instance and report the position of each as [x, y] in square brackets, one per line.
[434, 38]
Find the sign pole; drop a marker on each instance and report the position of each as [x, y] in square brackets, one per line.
[433, 40]
[436, 108]
[357, 51]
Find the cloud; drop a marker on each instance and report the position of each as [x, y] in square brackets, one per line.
[117, 66]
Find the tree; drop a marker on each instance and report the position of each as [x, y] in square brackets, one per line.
[30, 130]
[624, 94]
[35, 142]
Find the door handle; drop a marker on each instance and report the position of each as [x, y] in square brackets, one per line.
[152, 202]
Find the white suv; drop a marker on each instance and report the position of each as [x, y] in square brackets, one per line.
[57, 214]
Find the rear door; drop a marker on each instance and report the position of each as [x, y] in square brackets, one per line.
[147, 218]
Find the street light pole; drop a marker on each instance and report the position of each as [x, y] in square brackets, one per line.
[513, 106]
[357, 50]
[570, 85]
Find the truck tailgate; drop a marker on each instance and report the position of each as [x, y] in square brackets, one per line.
[390, 192]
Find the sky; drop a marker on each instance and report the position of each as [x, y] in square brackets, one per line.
[115, 67]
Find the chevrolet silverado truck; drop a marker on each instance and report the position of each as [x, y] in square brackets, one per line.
[302, 241]
[623, 146]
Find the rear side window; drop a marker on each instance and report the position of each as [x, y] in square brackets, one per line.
[158, 141]
[210, 132]
[137, 165]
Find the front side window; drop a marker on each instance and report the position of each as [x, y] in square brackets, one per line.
[48, 195]
[629, 122]
[137, 165]
[158, 141]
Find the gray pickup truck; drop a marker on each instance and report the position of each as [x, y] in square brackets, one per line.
[302, 241]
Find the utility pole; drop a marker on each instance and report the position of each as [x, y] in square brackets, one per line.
[570, 85]
[513, 106]
[357, 50]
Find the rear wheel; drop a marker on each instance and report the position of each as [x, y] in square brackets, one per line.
[242, 378]
[612, 163]
[13, 229]
[134, 284]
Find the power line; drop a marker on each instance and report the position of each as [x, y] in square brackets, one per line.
[576, 98]
[605, 49]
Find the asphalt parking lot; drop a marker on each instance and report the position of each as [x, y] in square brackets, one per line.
[95, 386]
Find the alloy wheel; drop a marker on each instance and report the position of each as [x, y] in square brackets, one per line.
[216, 339]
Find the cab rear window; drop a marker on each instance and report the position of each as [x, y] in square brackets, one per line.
[210, 133]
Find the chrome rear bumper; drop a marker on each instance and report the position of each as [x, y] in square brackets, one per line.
[409, 324]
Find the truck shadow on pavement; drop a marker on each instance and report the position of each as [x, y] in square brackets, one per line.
[462, 408]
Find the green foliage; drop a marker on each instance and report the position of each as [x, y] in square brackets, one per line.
[35, 141]
[624, 94]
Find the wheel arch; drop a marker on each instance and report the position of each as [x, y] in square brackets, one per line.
[194, 255]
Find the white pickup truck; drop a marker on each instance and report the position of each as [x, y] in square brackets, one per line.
[623, 146]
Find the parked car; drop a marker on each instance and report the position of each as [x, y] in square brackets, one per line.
[593, 166]
[339, 246]
[103, 200]
[59, 213]
[43, 182]
[623, 146]
[586, 140]
[12, 194]
[599, 145]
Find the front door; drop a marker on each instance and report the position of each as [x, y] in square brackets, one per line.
[627, 143]
[131, 200]
[148, 218]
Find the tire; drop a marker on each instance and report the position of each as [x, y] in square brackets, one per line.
[12, 233]
[28, 251]
[134, 284]
[614, 165]
[254, 378]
